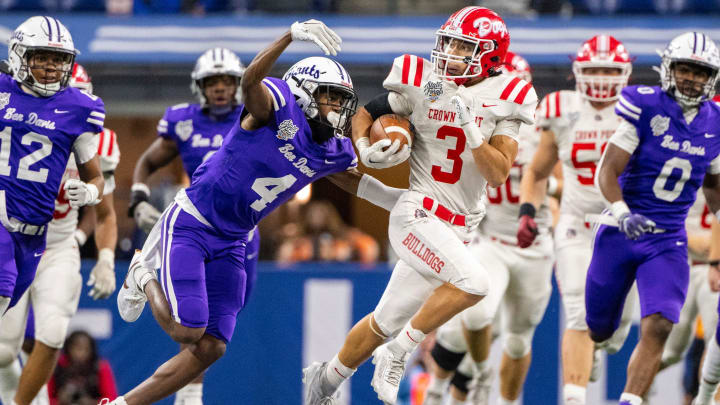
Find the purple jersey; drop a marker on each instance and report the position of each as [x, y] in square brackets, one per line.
[254, 172]
[666, 169]
[36, 137]
[196, 134]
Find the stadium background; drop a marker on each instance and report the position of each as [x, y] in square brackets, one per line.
[140, 59]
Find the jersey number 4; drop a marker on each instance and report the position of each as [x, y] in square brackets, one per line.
[24, 172]
[268, 188]
[453, 175]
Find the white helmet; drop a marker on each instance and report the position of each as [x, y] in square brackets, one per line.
[215, 62]
[695, 48]
[40, 33]
[317, 73]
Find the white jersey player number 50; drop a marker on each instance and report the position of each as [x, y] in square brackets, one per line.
[24, 172]
[268, 189]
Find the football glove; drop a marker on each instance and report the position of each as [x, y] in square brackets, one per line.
[373, 155]
[102, 276]
[316, 31]
[527, 230]
[146, 216]
[635, 225]
[80, 193]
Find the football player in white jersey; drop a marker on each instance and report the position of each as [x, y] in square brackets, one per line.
[55, 292]
[576, 125]
[520, 280]
[467, 116]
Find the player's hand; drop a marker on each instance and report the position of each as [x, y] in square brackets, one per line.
[146, 216]
[527, 231]
[466, 119]
[80, 193]
[316, 31]
[635, 225]
[374, 157]
[102, 276]
[714, 278]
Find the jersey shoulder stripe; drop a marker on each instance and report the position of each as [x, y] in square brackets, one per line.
[516, 90]
[277, 96]
[179, 106]
[509, 88]
[414, 64]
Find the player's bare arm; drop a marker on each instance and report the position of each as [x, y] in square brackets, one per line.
[543, 165]
[91, 176]
[160, 153]
[613, 164]
[102, 276]
[714, 257]
[495, 158]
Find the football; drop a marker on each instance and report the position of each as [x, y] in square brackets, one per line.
[392, 126]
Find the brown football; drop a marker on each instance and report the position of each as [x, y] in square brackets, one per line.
[394, 127]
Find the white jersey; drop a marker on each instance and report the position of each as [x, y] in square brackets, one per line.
[65, 218]
[581, 134]
[503, 203]
[441, 164]
[698, 222]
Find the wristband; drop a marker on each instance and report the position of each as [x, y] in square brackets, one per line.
[619, 209]
[714, 263]
[527, 209]
[106, 254]
[139, 192]
[552, 186]
[362, 143]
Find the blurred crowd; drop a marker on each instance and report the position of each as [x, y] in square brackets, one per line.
[512, 7]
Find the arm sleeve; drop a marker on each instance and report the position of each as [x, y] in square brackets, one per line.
[84, 147]
[625, 137]
[373, 190]
[714, 167]
[508, 127]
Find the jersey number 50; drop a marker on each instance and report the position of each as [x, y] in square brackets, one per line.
[24, 172]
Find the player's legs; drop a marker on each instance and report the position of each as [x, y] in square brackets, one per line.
[54, 296]
[19, 258]
[681, 334]
[11, 339]
[573, 252]
[524, 305]
[662, 282]
[707, 305]
[449, 350]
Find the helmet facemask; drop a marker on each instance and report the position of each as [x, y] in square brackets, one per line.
[446, 47]
[601, 87]
[334, 96]
[683, 91]
[28, 56]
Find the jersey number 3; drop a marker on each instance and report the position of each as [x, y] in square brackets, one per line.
[453, 175]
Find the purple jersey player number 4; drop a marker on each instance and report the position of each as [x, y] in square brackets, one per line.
[42, 121]
[289, 134]
[665, 149]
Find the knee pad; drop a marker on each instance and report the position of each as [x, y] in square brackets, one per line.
[8, 354]
[446, 359]
[460, 381]
[574, 311]
[52, 331]
[518, 345]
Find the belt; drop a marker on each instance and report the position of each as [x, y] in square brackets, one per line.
[14, 224]
[443, 212]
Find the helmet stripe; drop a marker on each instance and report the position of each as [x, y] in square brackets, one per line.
[47, 20]
[694, 42]
[340, 69]
[703, 42]
[57, 25]
[222, 54]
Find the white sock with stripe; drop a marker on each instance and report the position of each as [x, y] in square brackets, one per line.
[710, 374]
[407, 340]
[336, 373]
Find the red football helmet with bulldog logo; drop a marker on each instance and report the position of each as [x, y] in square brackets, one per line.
[474, 36]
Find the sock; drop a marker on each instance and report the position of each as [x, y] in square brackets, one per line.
[455, 401]
[574, 394]
[630, 399]
[191, 392]
[336, 373]
[710, 373]
[119, 401]
[9, 380]
[408, 339]
[504, 401]
[481, 366]
[438, 385]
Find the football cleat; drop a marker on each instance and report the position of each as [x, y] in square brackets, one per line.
[389, 370]
[433, 398]
[313, 381]
[479, 387]
[131, 299]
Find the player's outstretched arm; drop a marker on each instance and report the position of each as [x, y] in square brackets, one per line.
[102, 276]
[160, 153]
[714, 257]
[367, 187]
[88, 190]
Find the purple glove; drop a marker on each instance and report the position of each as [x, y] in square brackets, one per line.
[635, 225]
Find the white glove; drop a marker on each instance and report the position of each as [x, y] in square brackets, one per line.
[373, 155]
[80, 193]
[316, 31]
[102, 276]
[466, 119]
[146, 216]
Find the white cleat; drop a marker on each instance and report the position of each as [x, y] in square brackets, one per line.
[479, 388]
[389, 370]
[433, 398]
[313, 381]
[131, 299]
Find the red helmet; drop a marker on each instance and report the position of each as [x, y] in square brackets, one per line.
[80, 79]
[602, 51]
[488, 36]
[516, 65]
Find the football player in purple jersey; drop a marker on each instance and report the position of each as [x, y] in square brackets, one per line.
[663, 151]
[290, 133]
[42, 121]
[195, 132]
